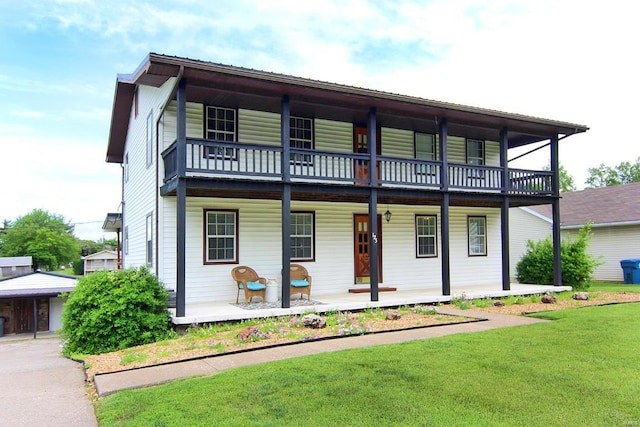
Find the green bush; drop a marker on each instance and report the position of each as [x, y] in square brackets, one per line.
[78, 267]
[536, 265]
[109, 311]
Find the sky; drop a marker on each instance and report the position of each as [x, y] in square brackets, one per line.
[574, 61]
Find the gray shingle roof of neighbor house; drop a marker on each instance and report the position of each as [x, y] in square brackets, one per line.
[615, 205]
[157, 69]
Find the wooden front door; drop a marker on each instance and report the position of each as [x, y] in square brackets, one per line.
[23, 315]
[362, 248]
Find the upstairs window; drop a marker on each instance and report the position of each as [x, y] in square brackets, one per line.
[477, 233]
[302, 236]
[475, 156]
[426, 239]
[425, 149]
[221, 127]
[221, 236]
[301, 136]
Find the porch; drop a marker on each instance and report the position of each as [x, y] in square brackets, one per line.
[227, 311]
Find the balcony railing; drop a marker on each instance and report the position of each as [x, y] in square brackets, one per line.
[205, 158]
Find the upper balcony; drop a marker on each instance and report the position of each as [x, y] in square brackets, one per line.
[215, 159]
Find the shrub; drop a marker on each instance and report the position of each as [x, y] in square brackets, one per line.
[109, 311]
[536, 265]
[78, 267]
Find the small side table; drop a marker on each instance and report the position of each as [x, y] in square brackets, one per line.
[271, 294]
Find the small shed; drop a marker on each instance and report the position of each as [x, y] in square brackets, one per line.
[103, 260]
[15, 266]
[32, 302]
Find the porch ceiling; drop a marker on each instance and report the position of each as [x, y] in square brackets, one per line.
[269, 190]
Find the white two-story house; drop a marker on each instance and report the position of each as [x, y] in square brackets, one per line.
[226, 166]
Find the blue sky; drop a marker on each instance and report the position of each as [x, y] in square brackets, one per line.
[568, 60]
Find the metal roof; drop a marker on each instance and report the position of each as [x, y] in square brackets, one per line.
[157, 69]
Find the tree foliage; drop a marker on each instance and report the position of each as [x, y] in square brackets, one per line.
[44, 236]
[109, 311]
[606, 176]
[536, 265]
[567, 183]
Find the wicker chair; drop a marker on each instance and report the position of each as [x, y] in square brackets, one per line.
[300, 281]
[249, 281]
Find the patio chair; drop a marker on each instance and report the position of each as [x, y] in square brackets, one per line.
[249, 281]
[300, 281]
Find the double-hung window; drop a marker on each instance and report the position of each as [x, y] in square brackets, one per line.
[221, 236]
[301, 136]
[425, 149]
[477, 233]
[302, 236]
[426, 236]
[221, 127]
[475, 156]
[149, 239]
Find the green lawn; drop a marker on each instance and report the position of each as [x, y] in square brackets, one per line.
[613, 287]
[579, 370]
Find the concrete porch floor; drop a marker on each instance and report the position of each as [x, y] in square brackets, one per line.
[226, 311]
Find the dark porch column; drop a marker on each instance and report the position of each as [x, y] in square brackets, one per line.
[285, 117]
[35, 317]
[504, 212]
[181, 197]
[373, 204]
[444, 206]
[555, 209]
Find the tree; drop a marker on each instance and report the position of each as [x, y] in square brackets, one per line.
[44, 236]
[606, 176]
[567, 183]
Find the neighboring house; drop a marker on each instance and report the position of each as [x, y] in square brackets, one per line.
[103, 260]
[19, 295]
[15, 266]
[614, 215]
[225, 165]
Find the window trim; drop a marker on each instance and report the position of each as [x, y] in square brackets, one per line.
[149, 139]
[486, 243]
[304, 160]
[435, 236]
[229, 153]
[205, 236]
[429, 170]
[313, 236]
[149, 239]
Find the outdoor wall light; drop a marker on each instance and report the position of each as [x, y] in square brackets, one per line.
[387, 215]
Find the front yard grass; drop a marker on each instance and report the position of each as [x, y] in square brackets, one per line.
[581, 369]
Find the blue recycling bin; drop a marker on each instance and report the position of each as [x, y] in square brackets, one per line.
[631, 271]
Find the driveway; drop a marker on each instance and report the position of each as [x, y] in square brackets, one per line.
[40, 387]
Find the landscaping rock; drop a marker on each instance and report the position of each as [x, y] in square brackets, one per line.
[393, 315]
[549, 299]
[499, 303]
[314, 321]
[581, 296]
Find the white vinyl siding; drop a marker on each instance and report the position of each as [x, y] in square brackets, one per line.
[524, 225]
[396, 143]
[334, 136]
[259, 127]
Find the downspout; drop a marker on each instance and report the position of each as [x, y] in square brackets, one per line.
[157, 126]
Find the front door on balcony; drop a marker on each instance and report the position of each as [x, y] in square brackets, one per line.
[361, 146]
[362, 248]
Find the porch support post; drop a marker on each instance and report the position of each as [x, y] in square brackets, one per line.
[285, 117]
[35, 317]
[555, 212]
[372, 127]
[444, 206]
[374, 274]
[181, 197]
[504, 214]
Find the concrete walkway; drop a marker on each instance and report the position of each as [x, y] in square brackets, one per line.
[154, 375]
[40, 387]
